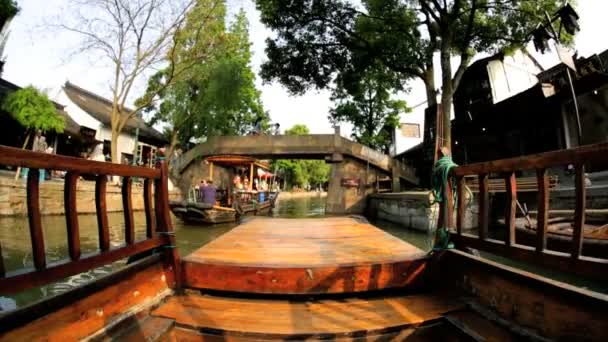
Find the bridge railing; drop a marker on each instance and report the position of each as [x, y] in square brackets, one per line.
[572, 261]
[159, 230]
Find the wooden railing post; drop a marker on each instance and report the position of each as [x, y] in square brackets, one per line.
[71, 215]
[102, 213]
[511, 188]
[579, 212]
[150, 217]
[542, 221]
[460, 215]
[484, 206]
[2, 270]
[127, 207]
[33, 211]
[164, 225]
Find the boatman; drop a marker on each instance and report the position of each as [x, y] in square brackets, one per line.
[209, 192]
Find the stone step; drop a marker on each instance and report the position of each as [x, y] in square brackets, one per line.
[241, 319]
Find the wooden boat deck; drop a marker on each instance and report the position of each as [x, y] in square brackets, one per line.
[304, 256]
[311, 319]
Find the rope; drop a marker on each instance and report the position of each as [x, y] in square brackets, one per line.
[439, 183]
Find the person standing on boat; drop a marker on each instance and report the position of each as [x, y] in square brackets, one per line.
[201, 189]
[209, 192]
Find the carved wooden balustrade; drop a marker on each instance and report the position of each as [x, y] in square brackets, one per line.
[574, 262]
[159, 230]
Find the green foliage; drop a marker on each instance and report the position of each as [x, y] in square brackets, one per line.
[8, 9]
[301, 173]
[217, 97]
[364, 100]
[33, 110]
[317, 42]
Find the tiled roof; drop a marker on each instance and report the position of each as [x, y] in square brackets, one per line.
[101, 108]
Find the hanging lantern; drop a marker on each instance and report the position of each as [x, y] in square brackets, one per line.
[569, 19]
[541, 37]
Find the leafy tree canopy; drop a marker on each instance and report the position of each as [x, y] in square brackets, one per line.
[33, 110]
[365, 100]
[8, 9]
[316, 40]
[217, 97]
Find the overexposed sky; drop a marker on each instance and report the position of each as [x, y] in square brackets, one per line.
[42, 59]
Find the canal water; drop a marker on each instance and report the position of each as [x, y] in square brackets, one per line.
[16, 244]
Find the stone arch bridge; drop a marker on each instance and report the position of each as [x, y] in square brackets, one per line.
[350, 161]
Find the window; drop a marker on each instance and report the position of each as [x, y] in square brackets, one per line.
[410, 130]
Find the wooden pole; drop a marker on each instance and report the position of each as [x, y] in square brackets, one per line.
[251, 177]
[211, 171]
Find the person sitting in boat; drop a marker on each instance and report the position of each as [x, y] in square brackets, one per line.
[237, 183]
[246, 184]
[209, 192]
[201, 188]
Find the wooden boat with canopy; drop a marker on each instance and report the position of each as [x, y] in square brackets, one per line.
[271, 279]
[236, 197]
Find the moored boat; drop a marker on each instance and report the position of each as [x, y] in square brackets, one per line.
[237, 199]
[559, 235]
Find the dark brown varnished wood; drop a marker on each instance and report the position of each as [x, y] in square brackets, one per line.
[165, 226]
[2, 269]
[484, 206]
[543, 209]
[579, 212]
[102, 212]
[78, 319]
[449, 193]
[33, 211]
[35, 160]
[511, 209]
[25, 279]
[591, 268]
[71, 215]
[461, 210]
[149, 209]
[594, 154]
[128, 210]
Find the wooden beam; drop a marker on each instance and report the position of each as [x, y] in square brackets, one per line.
[590, 154]
[542, 220]
[102, 213]
[127, 207]
[25, 279]
[211, 171]
[36, 160]
[460, 216]
[251, 167]
[484, 206]
[2, 269]
[592, 268]
[71, 214]
[579, 212]
[35, 223]
[511, 208]
[148, 208]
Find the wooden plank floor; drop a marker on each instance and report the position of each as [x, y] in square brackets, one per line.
[297, 256]
[285, 318]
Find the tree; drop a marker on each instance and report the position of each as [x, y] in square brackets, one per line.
[315, 40]
[302, 172]
[34, 111]
[365, 101]
[217, 97]
[134, 37]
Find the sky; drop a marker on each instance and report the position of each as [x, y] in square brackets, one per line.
[44, 59]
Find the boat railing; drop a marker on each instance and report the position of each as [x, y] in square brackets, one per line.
[248, 196]
[574, 262]
[159, 229]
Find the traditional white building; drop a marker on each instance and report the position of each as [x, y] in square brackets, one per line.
[94, 112]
